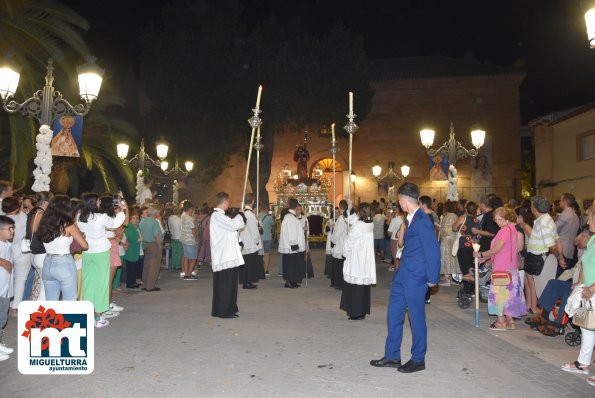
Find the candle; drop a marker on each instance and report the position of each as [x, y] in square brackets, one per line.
[351, 103]
[476, 247]
[258, 97]
[333, 129]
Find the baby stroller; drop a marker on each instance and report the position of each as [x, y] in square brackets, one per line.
[467, 290]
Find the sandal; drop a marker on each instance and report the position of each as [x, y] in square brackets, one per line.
[497, 326]
[576, 367]
[591, 381]
[510, 326]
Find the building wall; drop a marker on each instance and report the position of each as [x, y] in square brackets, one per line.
[557, 158]
[391, 133]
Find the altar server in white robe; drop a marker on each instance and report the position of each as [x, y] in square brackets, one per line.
[252, 241]
[328, 230]
[359, 270]
[226, 257]
[337, 240]
[292, 245]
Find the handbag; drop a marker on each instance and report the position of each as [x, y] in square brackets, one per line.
[26, 245]
[501, 278]
[167, 236]
[584, 316]
[534, 263]
[455, 244]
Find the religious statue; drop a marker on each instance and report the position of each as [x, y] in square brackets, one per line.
[302, 156]
[451, 192]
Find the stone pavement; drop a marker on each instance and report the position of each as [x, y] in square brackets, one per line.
[297, 343]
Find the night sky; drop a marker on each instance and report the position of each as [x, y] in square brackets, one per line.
[545, 39]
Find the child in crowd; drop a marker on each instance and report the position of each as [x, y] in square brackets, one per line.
[6, 234]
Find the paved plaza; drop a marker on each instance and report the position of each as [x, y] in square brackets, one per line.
[297, 343]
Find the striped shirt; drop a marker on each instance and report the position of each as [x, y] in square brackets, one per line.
[543, 236]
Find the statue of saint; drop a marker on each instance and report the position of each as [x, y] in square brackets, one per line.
[302, 156]
[451, 192]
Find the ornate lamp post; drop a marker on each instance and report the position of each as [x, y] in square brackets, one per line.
[47, 104]
[391, 177]
[141, 160]
[176, 172]
[455, 151]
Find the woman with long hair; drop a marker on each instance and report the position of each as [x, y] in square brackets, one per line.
[359, 269]
[96, 260]
[42, 199]
[57, 231]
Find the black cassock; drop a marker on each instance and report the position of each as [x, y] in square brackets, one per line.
[293, 267]
[355, 299]
[252, 270]
[225, 293]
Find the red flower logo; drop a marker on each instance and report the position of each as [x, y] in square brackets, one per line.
[43, 319]
[467, 244]
[475, 220]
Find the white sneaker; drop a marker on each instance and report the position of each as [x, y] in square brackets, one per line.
[101, 322]
[111, 314]
[4, 357]
[182, 275]
[115, 307]
[5, 350]
[195, 272]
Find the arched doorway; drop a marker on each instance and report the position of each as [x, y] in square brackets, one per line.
[326, 165]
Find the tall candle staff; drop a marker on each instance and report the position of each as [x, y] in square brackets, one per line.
[351, 128]
[334, 152]
[258, 146]
[255, 123]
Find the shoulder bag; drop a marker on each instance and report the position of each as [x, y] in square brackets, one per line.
[455, 244]
[584, 316]
[534, 263]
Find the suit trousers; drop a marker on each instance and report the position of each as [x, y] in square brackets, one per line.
[152, 265]
[401, 298]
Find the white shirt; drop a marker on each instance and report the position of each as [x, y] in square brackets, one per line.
[94, 230]
[225, 250]
[379, 220]
[175, 226]
[360, 264]
[250, 236]
[292, 233]
[5, 276]
[329, 233]
[410, 216]
[395, 225]
[338, 237]
[20, 227]
[186, 227]
[60, 245]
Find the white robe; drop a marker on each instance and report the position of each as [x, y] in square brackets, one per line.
[329, 223]
[338, 237]
[360, 264]
[292, 233]
[250, 236]
[225, 249]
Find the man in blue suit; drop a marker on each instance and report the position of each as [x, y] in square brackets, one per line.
[420, 269]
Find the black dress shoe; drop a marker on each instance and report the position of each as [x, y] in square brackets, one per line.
[295, 285]
[288, 286]
[357, 318]
[144, 288]
[155, 289]
[385, 363]
[232, 316]
[411, 367]
[250, 286]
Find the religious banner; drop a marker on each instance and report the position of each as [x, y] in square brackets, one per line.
[438, 168]
[68, 136]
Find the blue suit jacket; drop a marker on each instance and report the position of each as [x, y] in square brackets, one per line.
[420, 261]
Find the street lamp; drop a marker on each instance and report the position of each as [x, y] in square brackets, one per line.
[589, 7]
[141, 159]
[390, 177]
[47, 103]
[177, 171]
[452, 148]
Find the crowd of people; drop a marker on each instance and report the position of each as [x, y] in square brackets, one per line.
[54, 247]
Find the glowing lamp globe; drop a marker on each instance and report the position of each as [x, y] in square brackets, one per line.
[122, 150]
[189, 166]
[376, 170]
[9, 81]
[90, 79]
[427, 137]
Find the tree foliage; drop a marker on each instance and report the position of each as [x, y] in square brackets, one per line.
[201, 69]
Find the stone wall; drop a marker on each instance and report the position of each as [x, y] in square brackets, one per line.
[391, 133]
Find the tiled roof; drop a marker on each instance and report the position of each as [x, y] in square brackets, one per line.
[433, 67]
[561, 115]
